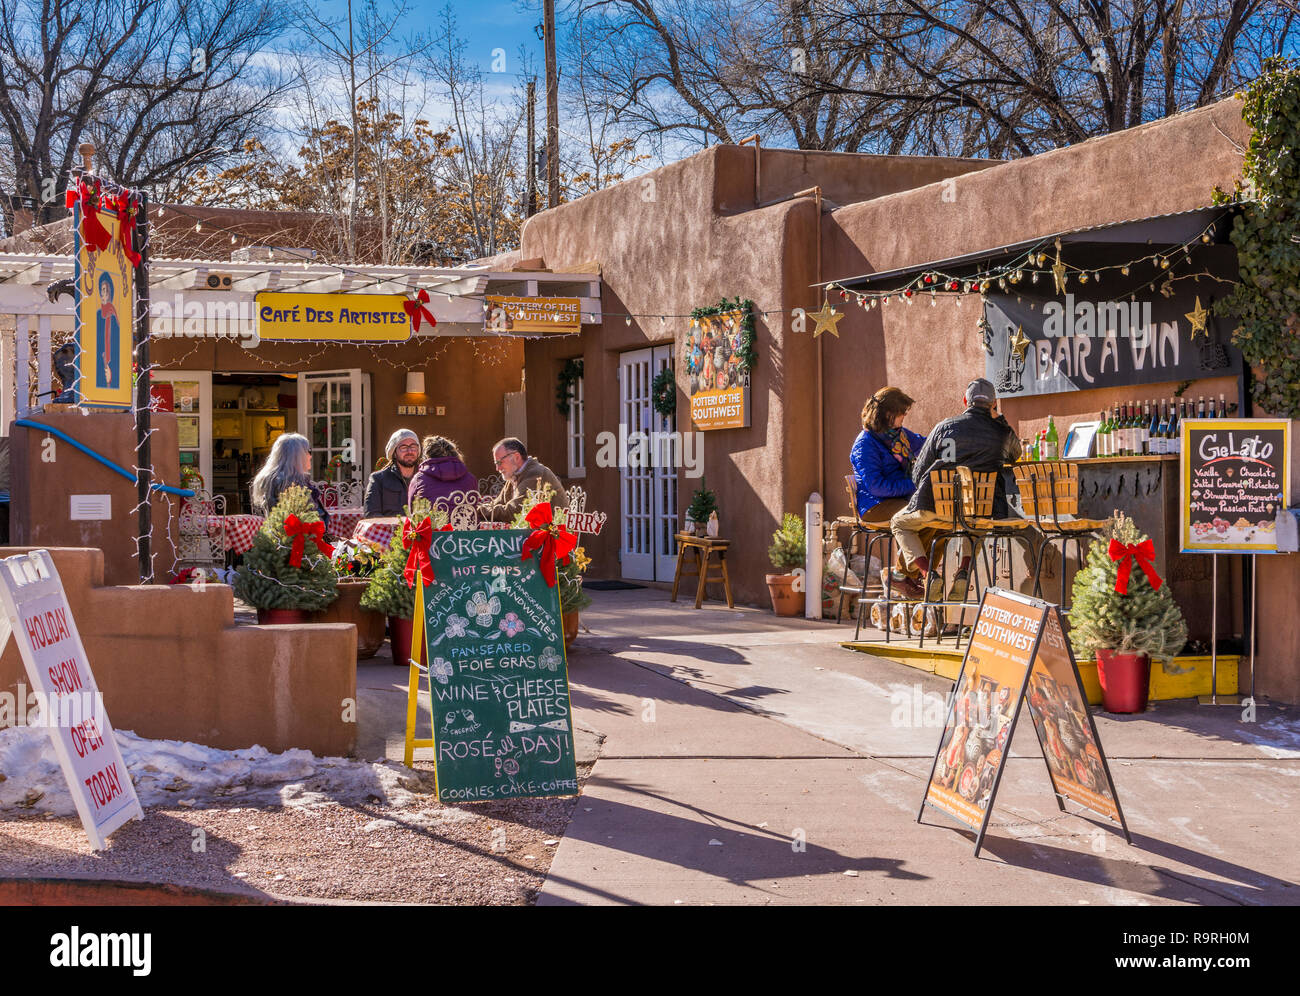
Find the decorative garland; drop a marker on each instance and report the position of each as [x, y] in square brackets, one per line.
[663, 392]
[564, 384]
[745, 353]
[1264, 302]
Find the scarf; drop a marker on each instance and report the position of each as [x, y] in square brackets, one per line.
[900, 446]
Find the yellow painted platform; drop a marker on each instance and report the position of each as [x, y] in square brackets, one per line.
[1184, 678]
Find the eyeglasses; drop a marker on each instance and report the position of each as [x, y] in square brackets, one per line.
[498, 463]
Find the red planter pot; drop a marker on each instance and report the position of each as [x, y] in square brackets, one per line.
[785, 600]
[1125, 681]
[282, 617]
[399, 638]
[570, 628]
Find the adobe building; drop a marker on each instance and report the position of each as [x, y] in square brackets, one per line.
[775, 226]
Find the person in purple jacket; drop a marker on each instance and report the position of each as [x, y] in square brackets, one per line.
[882, 458]
[442, 473]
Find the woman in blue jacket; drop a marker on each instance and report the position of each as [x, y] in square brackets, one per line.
[882, 458]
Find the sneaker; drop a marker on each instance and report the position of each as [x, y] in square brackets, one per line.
[900, 585]
[960, 585]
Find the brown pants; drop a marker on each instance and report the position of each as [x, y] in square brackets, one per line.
[884, 512]
[913, 536]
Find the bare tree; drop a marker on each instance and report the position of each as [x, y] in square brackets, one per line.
[159, 85]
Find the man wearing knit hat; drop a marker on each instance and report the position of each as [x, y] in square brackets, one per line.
[386, 492]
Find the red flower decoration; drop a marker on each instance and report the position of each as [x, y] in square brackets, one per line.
[300, 532]
[551, 542]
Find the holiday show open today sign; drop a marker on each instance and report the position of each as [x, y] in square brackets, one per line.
[1018, 653]
[498, 676]
[286, 317]
[37, 614]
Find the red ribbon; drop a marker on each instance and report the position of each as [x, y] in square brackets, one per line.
[417, 539]
[93, 232]
[417, 311]
[300, 532]
[1145, 552]
[551, 542]
[125, 227]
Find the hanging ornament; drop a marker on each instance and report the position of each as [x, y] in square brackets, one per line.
[1083, 278]
[827, 319]
[985, 332]
[1198, 318]
[1124, 270]
[1034, 278]
[1018, 343]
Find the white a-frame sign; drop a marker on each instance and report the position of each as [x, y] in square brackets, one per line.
[36, 612]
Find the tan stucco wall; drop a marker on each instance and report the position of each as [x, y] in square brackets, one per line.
[172, 665]
[44, 475]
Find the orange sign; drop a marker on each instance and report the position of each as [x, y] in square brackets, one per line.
[1017, 652]
[549, 315]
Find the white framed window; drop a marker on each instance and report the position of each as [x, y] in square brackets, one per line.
[574, 434]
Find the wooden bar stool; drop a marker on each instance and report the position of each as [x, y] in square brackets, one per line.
[703, 547]
[1049, 494]
[877, 536]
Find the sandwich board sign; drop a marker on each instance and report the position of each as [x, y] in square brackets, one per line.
[37, 614]
[1018, 655]
[490, 631]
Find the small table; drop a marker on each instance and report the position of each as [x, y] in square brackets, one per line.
[343, 521]
[379, 530]
[704, 548]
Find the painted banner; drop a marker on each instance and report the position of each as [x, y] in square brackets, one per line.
[1017, 653]
[36, 612]
[286, 317]
[1113, 334]
[1235, 476]
[498, 675]
[537, 315]
[105, 309]
[718, 386]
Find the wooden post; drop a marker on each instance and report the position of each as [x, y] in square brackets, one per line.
[552, 107]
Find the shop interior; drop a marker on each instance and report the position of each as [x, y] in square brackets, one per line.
[249, 412]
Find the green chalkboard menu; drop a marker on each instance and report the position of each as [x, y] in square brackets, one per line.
[1235, 476]
[498, 676]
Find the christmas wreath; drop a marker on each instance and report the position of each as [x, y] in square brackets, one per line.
[570, 373]
[663, 392]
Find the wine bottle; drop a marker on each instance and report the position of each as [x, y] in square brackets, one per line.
[1200, 406]
[1127, 448]
[1223, 407]
[1144, 429]
[1053, 442]
[1155, 444]
[1099, 446]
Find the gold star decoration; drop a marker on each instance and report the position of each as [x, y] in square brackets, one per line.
[1018, 343]
[1058, 272]
[1198, 318]
[826, 320]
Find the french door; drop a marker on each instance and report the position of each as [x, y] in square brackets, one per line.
[648, 471]
[334, 415]
[192, 403]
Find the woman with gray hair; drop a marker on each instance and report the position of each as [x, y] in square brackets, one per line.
[288, 464]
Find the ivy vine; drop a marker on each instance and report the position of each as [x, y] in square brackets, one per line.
[747, 355]
[565, 382]
[1267, 299]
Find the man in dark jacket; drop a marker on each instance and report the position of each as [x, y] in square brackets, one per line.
[386, 491]
[978, 438]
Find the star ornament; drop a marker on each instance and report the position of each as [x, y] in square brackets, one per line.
[1058, 273]
[1198, 318]
[1018, 343]
[827, 319]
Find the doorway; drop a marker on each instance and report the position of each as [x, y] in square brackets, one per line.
[648, 475]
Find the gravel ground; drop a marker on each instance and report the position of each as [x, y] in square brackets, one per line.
[495, 853]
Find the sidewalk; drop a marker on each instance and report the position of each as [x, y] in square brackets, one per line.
[752, 760]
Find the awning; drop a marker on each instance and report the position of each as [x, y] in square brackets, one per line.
[1159, 231]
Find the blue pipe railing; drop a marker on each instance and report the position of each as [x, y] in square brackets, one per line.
[118, 468]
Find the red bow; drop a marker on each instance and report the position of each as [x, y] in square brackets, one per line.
[417, 539]
[300, 532]
[125, 227]
[551, 542]
[1145, 552]
[417, 311]
[93, 232]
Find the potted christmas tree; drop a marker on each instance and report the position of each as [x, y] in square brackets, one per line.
[787, 552]
[1125, 615]
[703, 504]
[388, 591]
[568, 572]
[287, 575]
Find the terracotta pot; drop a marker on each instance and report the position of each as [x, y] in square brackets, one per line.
[785, 600]
[399, 636]
[1125, 681]
[570, 628]
[347, 609]
[282, 617]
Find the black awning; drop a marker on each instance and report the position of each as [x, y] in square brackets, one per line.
[1160, 231]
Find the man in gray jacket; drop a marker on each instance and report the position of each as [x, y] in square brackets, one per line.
[523, 474]
[386, 490]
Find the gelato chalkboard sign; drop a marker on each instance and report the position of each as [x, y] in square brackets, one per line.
[1235, 477]
[498, 676]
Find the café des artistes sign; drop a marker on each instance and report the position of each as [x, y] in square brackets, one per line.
[1040, 343]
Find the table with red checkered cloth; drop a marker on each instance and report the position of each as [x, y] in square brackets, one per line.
[236, 531]
[343, 522]
[377, 530]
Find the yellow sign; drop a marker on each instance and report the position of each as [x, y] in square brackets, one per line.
[552, 315]
[332, 317]
[106, 304]
[717, 382]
